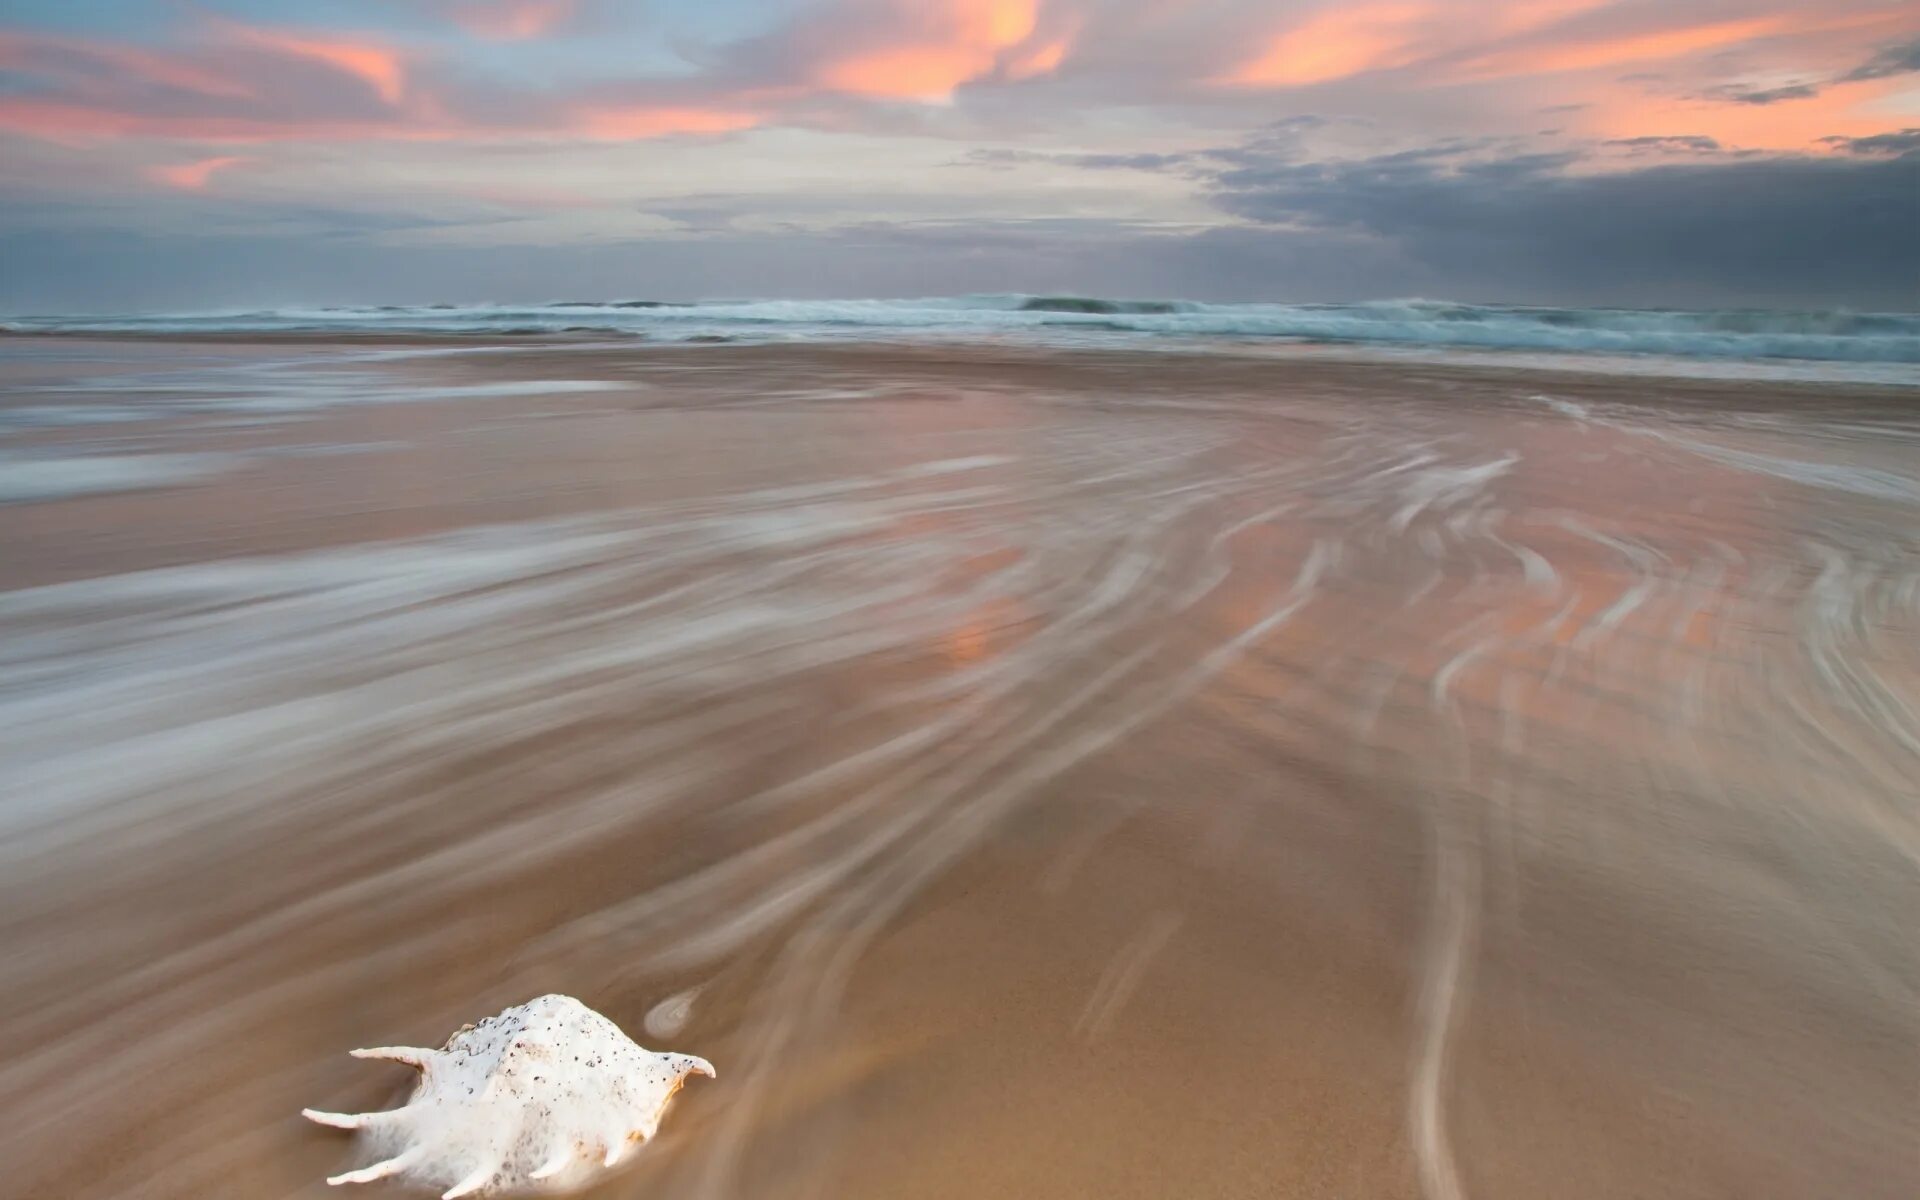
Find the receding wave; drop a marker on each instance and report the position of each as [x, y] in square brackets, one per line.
[1092, 305]
[1733, 334]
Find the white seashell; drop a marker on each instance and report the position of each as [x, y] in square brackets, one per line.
[542, 1097]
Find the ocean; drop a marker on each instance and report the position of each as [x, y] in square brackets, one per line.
[1856, 346]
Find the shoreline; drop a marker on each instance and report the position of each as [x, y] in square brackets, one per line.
[593, 385]
[1763, 371]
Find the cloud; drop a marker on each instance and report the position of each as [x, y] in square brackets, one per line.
[845, 107]
[1591, 53]
[78, 61]
[950, 68]
[917, 51]
[1339, 42]
[1892, 60]
[1683, 144]
[1446, 40]
[1042, 59]
[1484, 40]
[838, 64]
[192, 176]
[510, 20]
[631, 122]
[379, 66]
[921, 49]
[1906, 141]
[232, 83]
[1002, 157]
[1461, 219]
[1768, 228]
[1845, 109]
[249, 85]
[534, 199]
[1738, 94]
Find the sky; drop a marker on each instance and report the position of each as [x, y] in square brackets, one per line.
[201, 154]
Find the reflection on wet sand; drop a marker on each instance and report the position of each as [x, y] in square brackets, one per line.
[1024, 773]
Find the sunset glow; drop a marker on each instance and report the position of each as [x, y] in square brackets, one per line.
[380, 67]
[660, 122]
[1028, 133]
[192, 176]
[1334, 44]
[937, 53]
[512, 20]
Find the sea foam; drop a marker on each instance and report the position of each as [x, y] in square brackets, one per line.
[1822, 335]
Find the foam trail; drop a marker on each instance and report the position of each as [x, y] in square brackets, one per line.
[1445, 986]
[972, 729]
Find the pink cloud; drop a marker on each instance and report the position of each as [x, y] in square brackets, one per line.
[1338, 42]
[1448, 41]
[635, 122]
[79, 59]
[1042, 60]
[929, 48]
[1846, 110]
[381, 67]
[1651, 46]
[69, 121]
[836, 66]
[511, 20]
[191, 176]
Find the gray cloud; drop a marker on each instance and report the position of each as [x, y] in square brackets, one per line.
[1893, 60]
[1890, 60]
[1091, 162]
[1738, 94]
[697, 218]
[1907, 141]
[1728, 229]
[94, 271]
[1680, 144]
[1459, 220]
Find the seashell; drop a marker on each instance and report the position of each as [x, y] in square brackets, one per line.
[541, 1098]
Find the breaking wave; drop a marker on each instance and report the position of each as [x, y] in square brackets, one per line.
[1825, 335]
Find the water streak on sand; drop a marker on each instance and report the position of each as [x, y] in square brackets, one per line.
[1035, 772]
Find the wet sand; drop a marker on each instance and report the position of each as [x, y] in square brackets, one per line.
[1023, 773]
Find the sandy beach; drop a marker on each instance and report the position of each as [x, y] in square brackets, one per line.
[1023, 772]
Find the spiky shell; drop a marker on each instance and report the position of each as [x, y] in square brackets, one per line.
[542, 1097]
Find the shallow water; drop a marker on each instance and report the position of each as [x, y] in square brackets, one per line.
[1843, 344]
[1021, 772]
